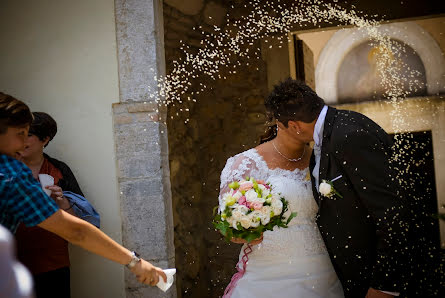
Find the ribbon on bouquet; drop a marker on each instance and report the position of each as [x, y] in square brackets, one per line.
[237, 276]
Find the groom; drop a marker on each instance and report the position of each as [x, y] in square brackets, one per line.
[363, 225]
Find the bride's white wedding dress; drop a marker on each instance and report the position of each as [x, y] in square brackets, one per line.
[290, 262]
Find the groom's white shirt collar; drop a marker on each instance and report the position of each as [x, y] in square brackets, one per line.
[318, 129]
[318, 139]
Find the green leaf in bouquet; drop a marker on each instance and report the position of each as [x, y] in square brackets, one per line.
[229, 234]
[215, 209]
[228, 211]
[291, 216]
[252, 236]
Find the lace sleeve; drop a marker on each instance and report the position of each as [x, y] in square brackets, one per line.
[237, 168]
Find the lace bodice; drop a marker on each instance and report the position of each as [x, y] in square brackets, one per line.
[302, 236]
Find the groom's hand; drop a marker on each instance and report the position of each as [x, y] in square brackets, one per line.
[148, 274]
[373, 293]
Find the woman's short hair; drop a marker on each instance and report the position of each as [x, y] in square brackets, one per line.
[43, 126]
[293, 100]
[13, 113]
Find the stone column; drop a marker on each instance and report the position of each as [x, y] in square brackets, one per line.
[141, 141]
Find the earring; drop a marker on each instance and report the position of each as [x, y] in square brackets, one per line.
[298, 132]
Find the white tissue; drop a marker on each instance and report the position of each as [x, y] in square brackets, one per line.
[46, 180]
[170, 279]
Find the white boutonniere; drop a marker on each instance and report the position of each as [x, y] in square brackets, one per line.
[327, 189]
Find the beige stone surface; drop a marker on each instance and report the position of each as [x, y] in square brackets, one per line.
[436, 28]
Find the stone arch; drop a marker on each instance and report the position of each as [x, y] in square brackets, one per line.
[343, 41]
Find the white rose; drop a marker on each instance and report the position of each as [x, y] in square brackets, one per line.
[255, 216]
[242, 209]
[254, 221]
[245, 222]
[277, 206]
[325, 189]
[237, 195]
[265, 214]
[266, 219]
[237, 215]
[265, 210]
[251, 196]
[258, 217]
[266, 192]
[229, 220]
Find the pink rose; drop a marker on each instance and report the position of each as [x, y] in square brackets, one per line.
[260, 182]
[257, 205]
[243, 201]
[246, 186]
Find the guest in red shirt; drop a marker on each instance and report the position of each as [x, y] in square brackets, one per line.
[44, 253]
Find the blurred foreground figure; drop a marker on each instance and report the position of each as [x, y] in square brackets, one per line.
[15, 281]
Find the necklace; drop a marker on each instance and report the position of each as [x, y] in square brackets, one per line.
[289, 159]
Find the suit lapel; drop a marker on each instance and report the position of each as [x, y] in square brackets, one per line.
[324, 155]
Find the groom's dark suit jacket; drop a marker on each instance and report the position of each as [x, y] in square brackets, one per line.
[365, 230]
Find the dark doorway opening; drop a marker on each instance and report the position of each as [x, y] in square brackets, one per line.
[414, 163]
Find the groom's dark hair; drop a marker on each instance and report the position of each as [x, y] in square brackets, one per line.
[293, 100]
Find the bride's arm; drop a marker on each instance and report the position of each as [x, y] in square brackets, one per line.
[237, 168]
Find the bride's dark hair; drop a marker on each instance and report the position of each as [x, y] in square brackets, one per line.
[291, 100]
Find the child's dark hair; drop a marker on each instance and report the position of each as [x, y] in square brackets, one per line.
[43, 126]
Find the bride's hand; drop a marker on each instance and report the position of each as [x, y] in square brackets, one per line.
[243, 241]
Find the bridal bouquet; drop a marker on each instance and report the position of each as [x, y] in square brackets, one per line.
[249, 208]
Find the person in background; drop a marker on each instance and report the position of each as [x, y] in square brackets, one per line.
[44, 253]
[22, 200]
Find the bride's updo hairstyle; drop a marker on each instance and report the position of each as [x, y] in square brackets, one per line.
[291, 100]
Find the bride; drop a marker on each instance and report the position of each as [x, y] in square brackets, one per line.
[290, 262]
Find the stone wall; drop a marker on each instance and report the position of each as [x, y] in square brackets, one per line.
[141, 141]
[227, 118]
